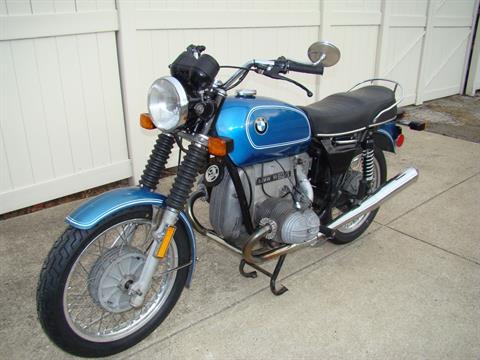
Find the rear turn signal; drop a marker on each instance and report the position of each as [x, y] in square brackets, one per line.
[146, 121]
[219, 146]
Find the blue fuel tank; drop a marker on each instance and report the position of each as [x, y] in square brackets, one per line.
[262, 129]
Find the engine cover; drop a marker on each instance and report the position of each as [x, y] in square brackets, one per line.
[272, 181]
[292, 226]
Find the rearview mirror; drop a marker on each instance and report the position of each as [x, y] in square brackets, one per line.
[323, 52]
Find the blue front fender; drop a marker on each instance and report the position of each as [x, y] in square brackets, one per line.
[97, 209]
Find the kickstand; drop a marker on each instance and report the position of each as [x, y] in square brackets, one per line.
[273, 277]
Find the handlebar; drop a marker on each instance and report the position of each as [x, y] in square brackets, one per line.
[305, 68]
[273, 69]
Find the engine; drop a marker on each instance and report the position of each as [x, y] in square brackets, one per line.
[278, 193]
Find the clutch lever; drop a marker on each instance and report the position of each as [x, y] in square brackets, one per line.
[274, 73]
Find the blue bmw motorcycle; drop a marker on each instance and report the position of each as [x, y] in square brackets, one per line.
[277, 178]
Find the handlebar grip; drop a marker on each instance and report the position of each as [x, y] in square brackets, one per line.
[305, 68]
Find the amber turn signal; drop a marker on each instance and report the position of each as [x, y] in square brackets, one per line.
[146, 121]
[219, 146]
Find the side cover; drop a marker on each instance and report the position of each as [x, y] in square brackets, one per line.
[97, 209]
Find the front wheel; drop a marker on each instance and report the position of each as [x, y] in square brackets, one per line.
[82, 296]
[357, 226]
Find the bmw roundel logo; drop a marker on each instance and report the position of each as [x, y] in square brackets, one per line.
[261, 125]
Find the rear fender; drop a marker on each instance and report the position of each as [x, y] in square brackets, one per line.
[386, 135]
[99, 208]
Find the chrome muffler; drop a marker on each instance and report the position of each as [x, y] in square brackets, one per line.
[381, 195]
[374, 201]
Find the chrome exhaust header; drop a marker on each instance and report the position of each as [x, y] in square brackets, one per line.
[252, 257]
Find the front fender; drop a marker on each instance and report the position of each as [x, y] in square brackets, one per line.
[97, 209]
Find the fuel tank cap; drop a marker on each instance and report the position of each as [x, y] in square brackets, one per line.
[246, 93]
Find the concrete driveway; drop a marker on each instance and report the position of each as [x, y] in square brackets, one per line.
[410, 288]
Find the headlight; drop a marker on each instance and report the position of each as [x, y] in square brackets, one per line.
[167, 103]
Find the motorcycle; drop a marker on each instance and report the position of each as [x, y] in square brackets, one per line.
[277, 178]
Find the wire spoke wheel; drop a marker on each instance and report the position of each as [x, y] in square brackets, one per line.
[83, 299]
[96, 300]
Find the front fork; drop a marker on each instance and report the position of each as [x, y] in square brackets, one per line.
[195, 159]
[139, 288]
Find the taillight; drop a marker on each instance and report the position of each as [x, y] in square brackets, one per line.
[400, 140]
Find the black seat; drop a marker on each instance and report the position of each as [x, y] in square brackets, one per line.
[346, 112]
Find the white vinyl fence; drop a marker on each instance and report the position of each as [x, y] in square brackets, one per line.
[61, 121]
[72, 69]
[473, 81]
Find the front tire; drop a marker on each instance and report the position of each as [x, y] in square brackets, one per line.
[350, 232]
[77, 271]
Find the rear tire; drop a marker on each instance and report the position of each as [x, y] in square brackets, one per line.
[344, 237]
[53, 314]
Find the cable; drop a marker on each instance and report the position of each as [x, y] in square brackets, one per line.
[294, 186]
[234, 67]
[249, 186]
[244, 75]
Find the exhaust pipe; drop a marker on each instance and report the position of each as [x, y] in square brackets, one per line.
[374, 201]
[387, 191]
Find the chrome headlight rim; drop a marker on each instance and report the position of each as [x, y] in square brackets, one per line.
[182, 99]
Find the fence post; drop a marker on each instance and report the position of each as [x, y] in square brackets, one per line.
[127, 57]
[383, 35]
[425, 53]
[474, 70]
[324, 33]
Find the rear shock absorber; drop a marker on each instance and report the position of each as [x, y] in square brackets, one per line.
[157, 161]
[367, 167]
[367, 157]
[195, 159]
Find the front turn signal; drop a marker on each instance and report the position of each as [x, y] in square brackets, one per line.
[146, 121]
[219, 146]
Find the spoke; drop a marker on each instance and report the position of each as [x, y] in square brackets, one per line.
[101, 320]
[83, 268]
[71, 308]
[93, 322]
[146, 241]
[122, 315]
[100, 246]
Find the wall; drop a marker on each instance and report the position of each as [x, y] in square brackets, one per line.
[74, 68]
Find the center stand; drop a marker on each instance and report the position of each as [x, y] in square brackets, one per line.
[273, 277]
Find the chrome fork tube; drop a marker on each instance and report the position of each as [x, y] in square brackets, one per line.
[139, 288]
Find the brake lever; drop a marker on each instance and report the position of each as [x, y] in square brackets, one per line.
[274, 73]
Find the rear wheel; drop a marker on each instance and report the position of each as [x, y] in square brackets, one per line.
[357, 226]
[82, 297]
